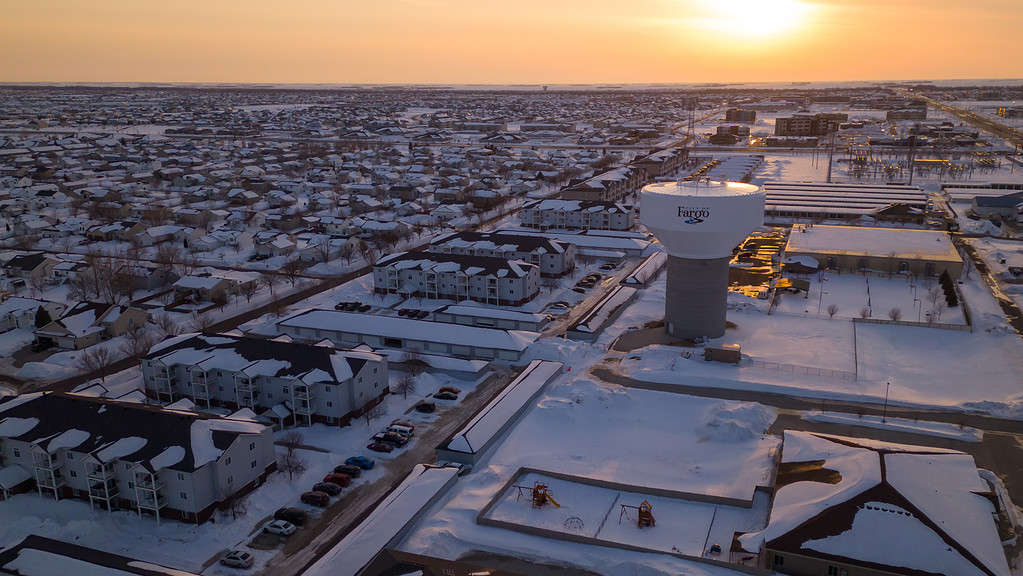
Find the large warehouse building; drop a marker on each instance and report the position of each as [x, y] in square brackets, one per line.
[852, 248]
[843, 201]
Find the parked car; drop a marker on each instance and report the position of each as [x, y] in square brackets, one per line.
[396, 440]
[426, 407]
[280, 528]
[579, 290]
[321, 499]
[406, 423]
[237, 559]
[328, 488]
[381, 447]
[361, 462]
[364, 308]
[403, 312]
[296, 516]
[451, 389]
[400, 429]
[349, 469]
[446, 396]
[339, 479]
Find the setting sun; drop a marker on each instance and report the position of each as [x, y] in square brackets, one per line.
[755, 18]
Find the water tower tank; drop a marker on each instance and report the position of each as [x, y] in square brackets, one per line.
[699, 223]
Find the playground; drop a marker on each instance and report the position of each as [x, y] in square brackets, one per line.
[581, 509]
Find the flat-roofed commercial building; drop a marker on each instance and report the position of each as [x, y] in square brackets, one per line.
[420, 336]
[843, 201]
[893, 250]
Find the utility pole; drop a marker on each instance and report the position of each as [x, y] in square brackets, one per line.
[831, 152]
[884, 411]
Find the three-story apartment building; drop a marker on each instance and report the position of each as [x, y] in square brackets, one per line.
[486, 279]
[123, 455]
[287, 381]
[576, 215]
[554, 257]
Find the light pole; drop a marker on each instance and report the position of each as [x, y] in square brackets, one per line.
[884, 411]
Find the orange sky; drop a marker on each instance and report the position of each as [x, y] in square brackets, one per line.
[508, 41]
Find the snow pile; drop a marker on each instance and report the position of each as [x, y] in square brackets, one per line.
[736, 422]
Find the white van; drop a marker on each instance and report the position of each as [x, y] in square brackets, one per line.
[399, 429]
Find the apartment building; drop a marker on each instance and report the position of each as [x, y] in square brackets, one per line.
[740, 115]
[611, 186]
[486, 279]
[285, 381]
[131, 456]
[809, 125]
[576, 215]
[554, 257]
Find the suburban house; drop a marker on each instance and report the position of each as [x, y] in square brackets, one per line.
[21, 312]
[575, 214]
[554, 257]
[87, 323]
[132, 456]
[459, 277]
[37, 266]
[283, 380]
[846, 506]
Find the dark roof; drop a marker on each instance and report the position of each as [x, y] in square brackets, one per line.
[27, 262]
[107, 421]
[81, 553]
[839, 518]
[489, 264]
[301, 358]
[524, 243]
[1007, 201]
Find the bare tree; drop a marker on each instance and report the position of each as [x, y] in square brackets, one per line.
[37, 282]
[934, 296]
[137, 342]
[249, 289]
[167, 257]
[895, 314]
[201, 322]
[373, 412]
[292, 268]
[865, 312]
[96, 359]
[414, 363]
[167, 326]
[236, 504]
[832, 310]
[292, 441]
[291, 464]
[406, 385]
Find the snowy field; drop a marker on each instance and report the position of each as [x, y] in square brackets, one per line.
[927, 366]
[879, 294]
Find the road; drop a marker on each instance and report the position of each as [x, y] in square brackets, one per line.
[312, 542]
[984, 123]
[1012, 312]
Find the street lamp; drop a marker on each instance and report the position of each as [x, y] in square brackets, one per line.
[884, 411]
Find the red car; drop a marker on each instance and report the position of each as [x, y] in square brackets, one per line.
[380, 447]
[337, 478]
[320, 499]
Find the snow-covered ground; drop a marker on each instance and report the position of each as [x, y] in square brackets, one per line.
[999, 255]
[926, 366]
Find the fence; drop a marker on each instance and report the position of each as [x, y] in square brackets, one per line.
[939, 325]
[797, 369]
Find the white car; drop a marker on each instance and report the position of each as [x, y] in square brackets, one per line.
[237, 559]
[280, 527]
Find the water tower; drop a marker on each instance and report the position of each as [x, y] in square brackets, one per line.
[699, 224]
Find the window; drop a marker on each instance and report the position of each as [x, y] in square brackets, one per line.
[181, 476]
[252, 445]
[285, 389]
[230, 479]
[253, 464]
[326, 388]
[228, 461]
[184, 495]
[330, 404]
[131, 485]
[70, 455]
[779, 560]
[127, 465]
[74, 474]
[17, 453]
[832, 570]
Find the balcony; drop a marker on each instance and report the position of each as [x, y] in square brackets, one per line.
[304, 393]
[49, 479]
[100, 471]
[150, 499]
[105, 489]
[148, 482]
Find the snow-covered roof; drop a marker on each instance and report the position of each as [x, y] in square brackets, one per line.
[503, 408]
[399, 509]
[423, 330]
[854, 240]
[903, 509]
[115, 430]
